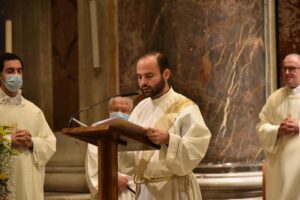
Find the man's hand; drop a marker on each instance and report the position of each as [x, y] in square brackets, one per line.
[122, 183]
[157, 136]
[22, 138]
[288, 127]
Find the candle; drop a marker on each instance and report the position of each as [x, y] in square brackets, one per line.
[8, 36]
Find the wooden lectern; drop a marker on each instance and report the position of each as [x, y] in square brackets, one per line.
[107, 136]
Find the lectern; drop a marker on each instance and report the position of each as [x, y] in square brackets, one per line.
[111, 136]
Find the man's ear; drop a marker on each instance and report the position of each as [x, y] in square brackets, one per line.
[167, 74]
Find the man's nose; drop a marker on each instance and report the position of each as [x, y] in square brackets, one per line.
[143, 81]
[286, 71]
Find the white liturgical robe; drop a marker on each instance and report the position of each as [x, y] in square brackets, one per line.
[283, 103]
[169, 173]
[91, 174]
[291, 171]
[28, 166]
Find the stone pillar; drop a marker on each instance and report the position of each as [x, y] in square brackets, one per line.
[96, 84]
[66, 170]
[64, 29]
[217, 51]
[288, 31]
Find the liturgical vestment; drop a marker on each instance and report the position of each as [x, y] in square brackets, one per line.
[169, 174]
[28, 166]
[91, 174]
[283, 103]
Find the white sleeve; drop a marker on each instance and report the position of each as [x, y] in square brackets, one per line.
[44, 142]
[91, 168]
[189, 139]
[266, 130]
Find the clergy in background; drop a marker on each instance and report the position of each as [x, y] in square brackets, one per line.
[279, 124]
[118, 107]
[32, 138]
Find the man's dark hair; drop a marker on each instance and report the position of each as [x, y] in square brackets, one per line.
[7, 57]
[161, 59]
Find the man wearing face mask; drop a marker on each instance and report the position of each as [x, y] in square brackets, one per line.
[118, 107]
[31, 137]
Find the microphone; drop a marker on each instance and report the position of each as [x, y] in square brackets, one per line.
[95, 104]
[126, 94]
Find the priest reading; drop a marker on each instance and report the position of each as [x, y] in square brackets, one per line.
[172, 121]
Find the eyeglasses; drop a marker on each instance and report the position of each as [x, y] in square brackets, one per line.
[289, 69]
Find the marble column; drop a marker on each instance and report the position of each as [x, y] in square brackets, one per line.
[219, 59]
[289, 28]
[64, 61]
[217, 52]
[96, 84]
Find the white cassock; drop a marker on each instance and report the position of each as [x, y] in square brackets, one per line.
[28, 167]
[282, 103]
[169, 173]
[291, 171]
[91, 174]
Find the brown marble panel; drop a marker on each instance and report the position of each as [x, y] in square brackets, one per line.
[288, 28]
[5, 10]
[216, 49]
[65, 61]
[131, 40]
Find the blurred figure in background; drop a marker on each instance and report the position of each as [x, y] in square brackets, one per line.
[118, 107]
[279, 125]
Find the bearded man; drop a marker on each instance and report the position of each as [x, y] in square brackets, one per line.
[172, 121]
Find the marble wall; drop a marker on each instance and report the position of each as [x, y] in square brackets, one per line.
[31, 33]
[216, 49]
[288, 28]
[64, 61]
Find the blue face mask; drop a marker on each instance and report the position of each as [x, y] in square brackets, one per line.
[119, 115]
[13, 82]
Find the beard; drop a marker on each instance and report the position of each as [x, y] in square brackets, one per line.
[154, 91]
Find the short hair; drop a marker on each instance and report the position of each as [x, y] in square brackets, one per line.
[124, 98]
[161, 59]
[293, 55]
[7, 57]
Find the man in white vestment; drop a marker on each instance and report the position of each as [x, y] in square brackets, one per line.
[118, 107]
[175, 123]
[279, 125]
[32, 137]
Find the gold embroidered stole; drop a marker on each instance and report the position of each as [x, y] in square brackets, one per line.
[164, 123]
